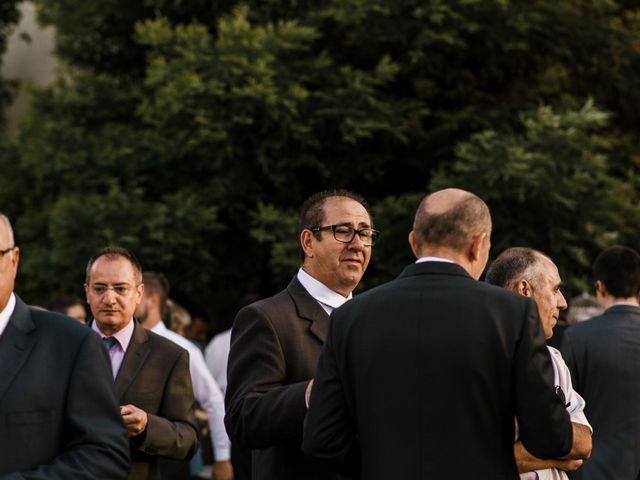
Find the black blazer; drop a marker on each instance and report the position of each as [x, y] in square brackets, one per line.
[603, 355]
[421, 378]
[59, 418]
[154, 376]
[275, 345]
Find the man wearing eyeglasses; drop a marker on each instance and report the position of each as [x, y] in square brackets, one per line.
[59, 416]
[151, 373]
[275, 342]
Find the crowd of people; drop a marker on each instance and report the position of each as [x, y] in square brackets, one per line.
[434, 375]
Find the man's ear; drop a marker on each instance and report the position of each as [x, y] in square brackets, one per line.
[601, 288]
[413, 243]
[524, 288]
[306, 241]
[476, 247]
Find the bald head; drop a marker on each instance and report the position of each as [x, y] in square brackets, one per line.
[450, 218]
[6, 232]
[9, 259]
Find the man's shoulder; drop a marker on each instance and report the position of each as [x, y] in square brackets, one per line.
[164, 345]
[54, 323]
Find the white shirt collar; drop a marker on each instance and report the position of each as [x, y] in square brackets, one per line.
[327, 298]
[434, 259]
[5, 314]
[123, 336]
[159, 327]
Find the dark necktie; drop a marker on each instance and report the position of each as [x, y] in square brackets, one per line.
[109, 342]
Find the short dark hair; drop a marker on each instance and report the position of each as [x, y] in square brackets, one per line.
[312, 211]
[112, 253]
[618, 267]
[155, 282]
[511, 265]
[452, 227]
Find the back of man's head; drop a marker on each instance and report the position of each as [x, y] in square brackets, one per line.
[157, 284]
[511, 266]
[618, 268]
[450, 218]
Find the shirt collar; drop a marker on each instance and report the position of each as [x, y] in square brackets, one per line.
[434, 259]
[5, 314]
[123, 336]
[159, 327]
[327, 298]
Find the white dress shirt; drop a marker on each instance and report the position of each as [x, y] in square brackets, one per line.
[327, 298]
[205, 390]
[575, 407]
[217, 356]
[6, 313]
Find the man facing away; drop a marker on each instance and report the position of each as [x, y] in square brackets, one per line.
[421, 377]
[151, 373]
[59, 416]
[275, 342]
[149, 313]
[603, 355]
[532, 274]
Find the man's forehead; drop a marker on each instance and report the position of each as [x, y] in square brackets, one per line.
[119, 267]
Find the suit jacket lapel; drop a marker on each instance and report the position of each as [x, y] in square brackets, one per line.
[134, 359]
[308, 308]
[18, 340]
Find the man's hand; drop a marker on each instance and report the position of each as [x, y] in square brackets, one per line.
[307, 393]
[134, 419]
[222, 470]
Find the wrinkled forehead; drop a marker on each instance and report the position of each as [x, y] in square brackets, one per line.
[113, 270]
[339, 210]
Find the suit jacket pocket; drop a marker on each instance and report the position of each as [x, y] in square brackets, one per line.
[31, 418]
[147, 401]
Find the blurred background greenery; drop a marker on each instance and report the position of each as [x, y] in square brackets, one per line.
[191, 131]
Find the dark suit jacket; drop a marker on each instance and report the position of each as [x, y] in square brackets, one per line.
[59, 418]
[275, 345]
[420, 378]
[603, 355]
[154, 376]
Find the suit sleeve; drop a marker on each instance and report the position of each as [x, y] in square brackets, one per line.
[97, 444]
[172, 433]
[329, 432]
[261, 409]
[545, 426]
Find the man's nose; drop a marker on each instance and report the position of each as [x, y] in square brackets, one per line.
[562, 302]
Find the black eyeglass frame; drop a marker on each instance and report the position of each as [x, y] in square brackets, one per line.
[6, 250]
[374, 233]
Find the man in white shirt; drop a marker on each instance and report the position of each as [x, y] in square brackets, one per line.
[206, 391]
[532, 274]
[275, 342]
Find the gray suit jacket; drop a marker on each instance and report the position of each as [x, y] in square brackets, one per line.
[59, 418]
[603, 355]
[275, 344]
[154, 376]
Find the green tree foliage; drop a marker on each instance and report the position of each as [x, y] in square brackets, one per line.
[192, 132]
[549, 186]
[9, 16]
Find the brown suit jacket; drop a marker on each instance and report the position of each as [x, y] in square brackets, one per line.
[275, 344]
[154, 376]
